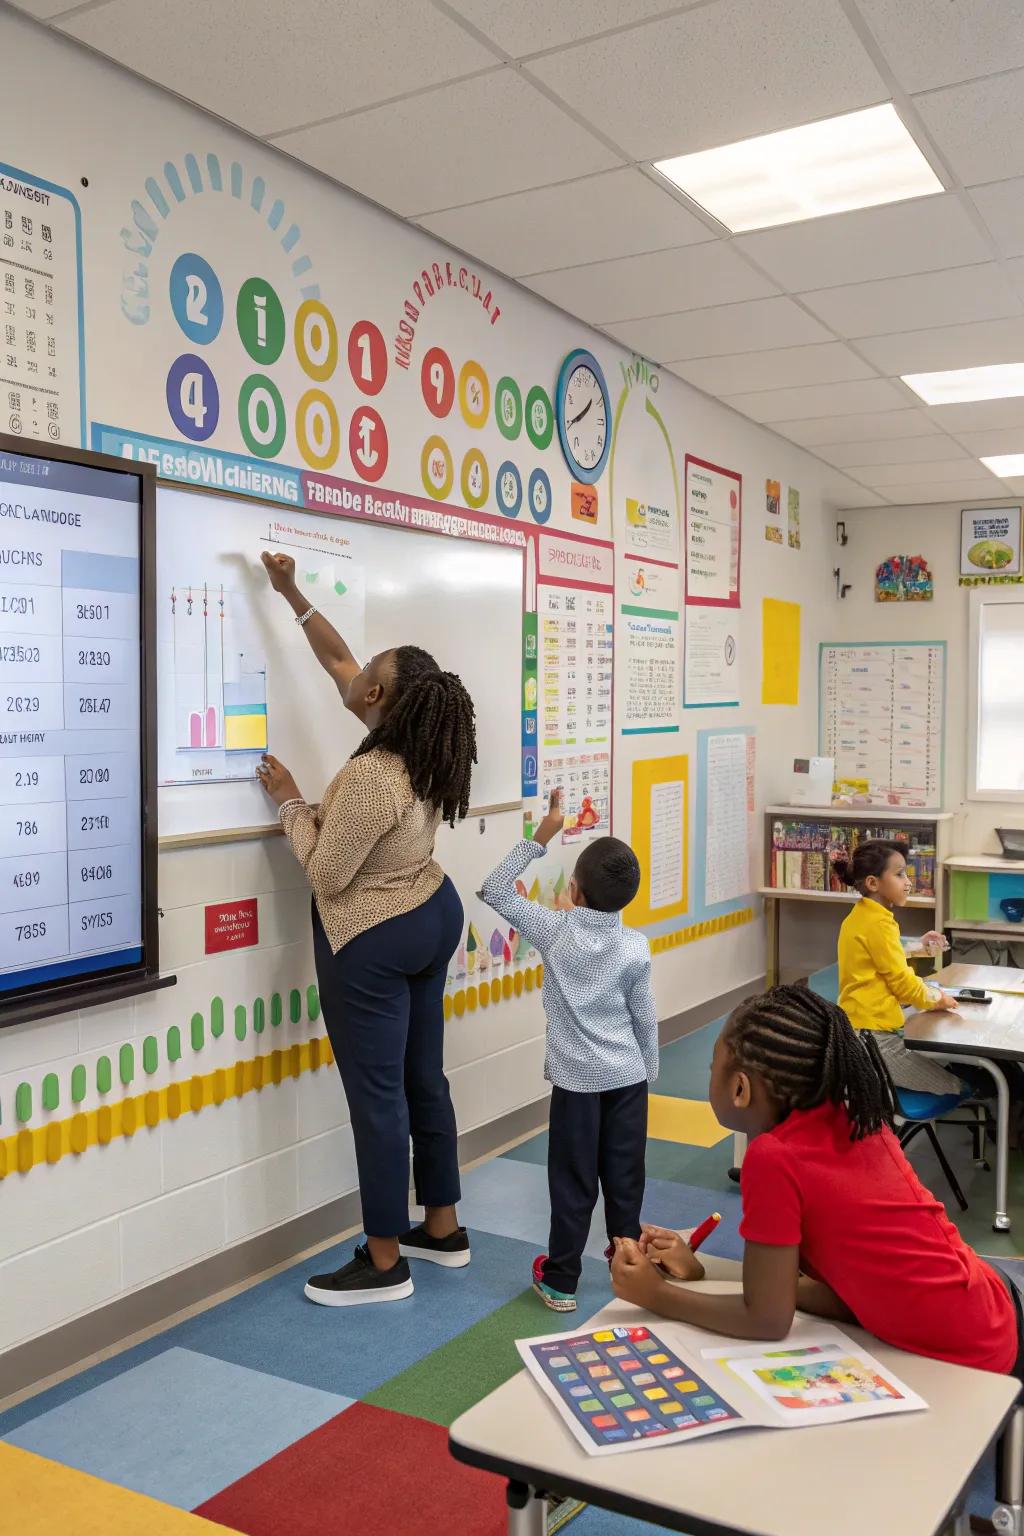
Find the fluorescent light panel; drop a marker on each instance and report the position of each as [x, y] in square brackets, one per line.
[855, 161]
[1007, 466]
[954, 386]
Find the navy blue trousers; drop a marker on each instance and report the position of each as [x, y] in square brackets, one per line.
[382, 997]
[593, 1138]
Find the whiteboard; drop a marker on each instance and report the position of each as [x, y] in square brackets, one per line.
[236, 674]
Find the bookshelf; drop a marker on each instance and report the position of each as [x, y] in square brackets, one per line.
[816, 835]
[976, 884]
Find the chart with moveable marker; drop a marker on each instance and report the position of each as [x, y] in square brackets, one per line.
[71, 855]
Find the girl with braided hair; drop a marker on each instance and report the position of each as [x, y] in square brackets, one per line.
[386, 922]
[835, 1220]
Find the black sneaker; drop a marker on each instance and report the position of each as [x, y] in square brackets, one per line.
[451, 1251]
[358, 1282]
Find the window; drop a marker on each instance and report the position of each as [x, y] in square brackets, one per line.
[996, 765]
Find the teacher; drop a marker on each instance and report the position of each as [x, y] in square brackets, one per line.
[386, 922]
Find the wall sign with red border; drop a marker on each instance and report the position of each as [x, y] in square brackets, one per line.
[232, 925]
[714, 511]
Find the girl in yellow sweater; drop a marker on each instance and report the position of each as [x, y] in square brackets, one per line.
[876, 981]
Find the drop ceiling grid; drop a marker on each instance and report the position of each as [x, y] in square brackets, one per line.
[568, 105]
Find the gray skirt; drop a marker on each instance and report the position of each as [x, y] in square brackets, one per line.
[916, 1071]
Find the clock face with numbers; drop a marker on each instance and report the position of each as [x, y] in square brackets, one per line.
[584, 416]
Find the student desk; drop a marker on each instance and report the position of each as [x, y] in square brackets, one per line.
[903, 1474]
[981, 1034]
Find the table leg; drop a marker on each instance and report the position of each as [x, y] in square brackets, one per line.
[1001, 1220]
[526, 1510]
[771, 924]
[1008, 1515]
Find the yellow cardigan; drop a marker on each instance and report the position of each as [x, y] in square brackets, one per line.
[876, 981]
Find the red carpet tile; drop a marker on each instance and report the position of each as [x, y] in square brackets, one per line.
[368, 1472]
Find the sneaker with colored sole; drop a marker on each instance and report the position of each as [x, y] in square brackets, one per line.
[558, 1301]
[358, 1282]
[452, 1251]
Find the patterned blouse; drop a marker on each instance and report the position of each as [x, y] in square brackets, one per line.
[367, 848]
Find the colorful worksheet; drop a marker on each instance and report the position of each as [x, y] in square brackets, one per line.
[625, 1388]
[622, 1388]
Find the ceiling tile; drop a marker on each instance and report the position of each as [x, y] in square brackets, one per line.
[42, 10]
[1013, 266]
[780, 367]
[856, 496]
[902, 450]
[746, 327]
[237, 58]
[964, 470]
[995, 440]
[947, 346]
[978, 415]
[529, 26]
[977, 127]
[856, 427]
[919, 236]
[773, 405]
[716, 74]
[931, 493]
[932, 42]
[518, 139]
[1016, 484]
[959, 295]
[619, 213]
[1001, 205]
[656, 284]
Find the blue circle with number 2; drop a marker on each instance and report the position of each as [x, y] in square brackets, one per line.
[197, 298]
[539, 496]
[193, 398]
[509, 488]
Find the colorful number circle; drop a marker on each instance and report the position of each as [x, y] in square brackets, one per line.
[540, 418]
[539, 496]
[260, 320]
[196, 298]
[437, 382]
[367, 357]
[475, 479]
[193, 398]
[316, 429]
[436, 468]
[368, 443]
[261, 416]
[508, 408]
[316, 340]
[474, 394]
[508, 489]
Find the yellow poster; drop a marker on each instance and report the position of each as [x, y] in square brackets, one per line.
[660, 811]
[780, 652]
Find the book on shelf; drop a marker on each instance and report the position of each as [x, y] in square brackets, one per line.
[804, 852]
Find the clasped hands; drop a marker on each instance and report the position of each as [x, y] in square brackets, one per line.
[641, 1268]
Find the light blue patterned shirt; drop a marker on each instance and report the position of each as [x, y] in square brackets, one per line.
[602, 1023]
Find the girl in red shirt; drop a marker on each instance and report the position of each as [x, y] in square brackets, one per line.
[835, 1221]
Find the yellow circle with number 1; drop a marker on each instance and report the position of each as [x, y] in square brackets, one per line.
[316, 429]
[436, 468]
[474, 394]
[476, 479]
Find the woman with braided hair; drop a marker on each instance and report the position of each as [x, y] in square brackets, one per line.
[835, 1220]
[386, 922]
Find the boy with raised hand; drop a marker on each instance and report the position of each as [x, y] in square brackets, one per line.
[602, 1044]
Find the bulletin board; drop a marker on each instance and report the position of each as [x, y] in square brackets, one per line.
[881, 716]
[661, 794]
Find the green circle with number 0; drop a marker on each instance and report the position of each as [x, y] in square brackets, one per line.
[261, 416]
[540, 419]
[508, 408]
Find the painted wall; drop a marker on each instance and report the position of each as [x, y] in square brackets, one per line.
[136, 1139]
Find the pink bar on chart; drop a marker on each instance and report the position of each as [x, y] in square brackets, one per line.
[211, 727]
[195, 731]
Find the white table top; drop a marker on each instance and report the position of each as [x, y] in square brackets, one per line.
[994, 862]
[899, 1474]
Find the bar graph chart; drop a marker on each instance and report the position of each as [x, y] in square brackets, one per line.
[220, 681]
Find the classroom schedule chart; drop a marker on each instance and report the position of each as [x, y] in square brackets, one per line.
[70, 722]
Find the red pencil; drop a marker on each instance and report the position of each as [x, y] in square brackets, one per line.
[699, 1234]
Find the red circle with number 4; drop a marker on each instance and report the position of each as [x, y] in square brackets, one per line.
[368, 443]
[437, 381]
[367, 357]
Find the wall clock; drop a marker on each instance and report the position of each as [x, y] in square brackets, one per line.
[584, 415]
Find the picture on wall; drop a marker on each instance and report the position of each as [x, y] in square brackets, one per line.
[990, 545]
[904, 579]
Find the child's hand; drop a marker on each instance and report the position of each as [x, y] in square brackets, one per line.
[634, 1277]
[945, 1002]
[935, 943]
[553, 821]
[670, 1252]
